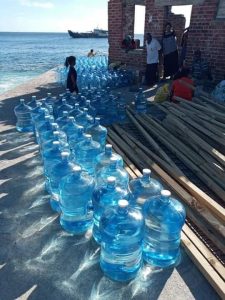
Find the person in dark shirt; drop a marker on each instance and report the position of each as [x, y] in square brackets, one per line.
[71, 83]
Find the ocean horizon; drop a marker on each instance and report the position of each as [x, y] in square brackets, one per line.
[25, 55]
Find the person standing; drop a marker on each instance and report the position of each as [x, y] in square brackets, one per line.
[71, 83]
[153, 47]
[170, 52]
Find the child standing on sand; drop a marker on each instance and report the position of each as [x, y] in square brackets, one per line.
[71, 83]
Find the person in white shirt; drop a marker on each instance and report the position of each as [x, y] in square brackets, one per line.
[153, 47]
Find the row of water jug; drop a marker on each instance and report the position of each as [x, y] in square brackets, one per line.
[94, 73]
[84, 107]
[88, 184]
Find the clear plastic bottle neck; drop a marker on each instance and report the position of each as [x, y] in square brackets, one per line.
[123, 207]
[108, 150]
[165, 196]
[146, 177]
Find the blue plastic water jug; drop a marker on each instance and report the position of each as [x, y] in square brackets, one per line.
[33, 102]
[61, 121]
[122, 230]
[164, 218]
[143, 188]
[76, 190]
[77, 137]
[85, 153]
[23, 115]
[61, 169]
[103, 198]
[50, 158]
[70, 127]
[98, 132]
[113, 169]
[64, 107]
[103, 159]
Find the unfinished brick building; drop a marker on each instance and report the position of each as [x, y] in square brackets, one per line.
[207, 29]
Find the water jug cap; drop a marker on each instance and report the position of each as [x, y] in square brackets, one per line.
[113, 159]
[71, 118]
[85, 109]
[97, 119]
[64, 100]
[123, 203]
[76, 168]
[65, 113]
[111, 179]
[80, 128]
[165, 193]
[54, 124]
[65, 154]
[108, 146]
[55, 133]
[39, 104]
[76, 105]
[60, 95]
[56, 143]
[88, 101]
[33, 97]
[88, 136]
[146, 172]
[49, 94]
[47, 117]
[22, 100]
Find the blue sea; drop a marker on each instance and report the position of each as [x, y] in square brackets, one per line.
[24, 56]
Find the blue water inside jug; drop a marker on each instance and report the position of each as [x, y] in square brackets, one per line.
[64, 107]
[76, 190]
[103, 159]
[164, 218]
[23, 115]
[86, 152]
[142, 188]
[122, 231]
[61, 169]
[76, 111]
[103, 198]
[84, 119]
[48, 144]
[113, 169]
[62, 121]
[50, 135]
[33, 103]
[50, 158]
[77, 137]
[70, 127]
[98, 132]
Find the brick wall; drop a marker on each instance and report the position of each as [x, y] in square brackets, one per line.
[208, 34]
[121, 22]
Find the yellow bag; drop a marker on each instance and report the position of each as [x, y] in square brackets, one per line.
[162, 93]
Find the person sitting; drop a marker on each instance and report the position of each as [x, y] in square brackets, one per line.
[183, 86]
[128, 43]
[71, 82]
[91, 53]
[200, 68]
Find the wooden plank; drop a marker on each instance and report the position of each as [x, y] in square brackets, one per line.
[204, 266]
[142, 160]
[216, 264]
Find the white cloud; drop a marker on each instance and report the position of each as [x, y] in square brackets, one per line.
[38, 4]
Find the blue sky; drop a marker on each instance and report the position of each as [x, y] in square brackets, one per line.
[60, 15]
[52, 15]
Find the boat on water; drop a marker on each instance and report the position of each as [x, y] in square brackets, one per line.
[96, 33]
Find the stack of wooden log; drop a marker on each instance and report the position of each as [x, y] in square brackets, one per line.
[193, 133]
